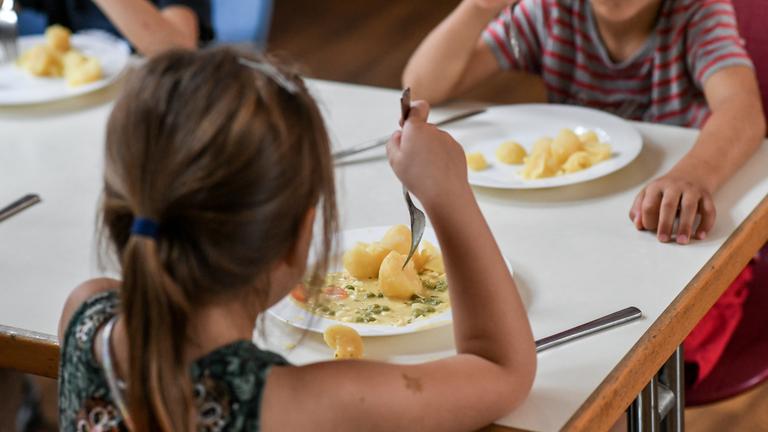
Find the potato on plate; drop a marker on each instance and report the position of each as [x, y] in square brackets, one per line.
[398, 282]
[345, 340]
[364, 260]
[511, 153]
[397, 238]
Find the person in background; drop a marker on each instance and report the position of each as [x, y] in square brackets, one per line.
[151, 27]
[679, 62]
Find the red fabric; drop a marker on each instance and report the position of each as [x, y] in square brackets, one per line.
[705, 344]
[752, 16]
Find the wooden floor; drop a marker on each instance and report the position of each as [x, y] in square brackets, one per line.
[369, 42]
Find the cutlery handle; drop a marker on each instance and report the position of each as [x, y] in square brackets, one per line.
[20, 204]
[383, 140]
[625, 315]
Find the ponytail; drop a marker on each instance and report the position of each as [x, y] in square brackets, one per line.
[156, 315]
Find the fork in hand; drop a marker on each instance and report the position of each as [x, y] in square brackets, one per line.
[418, 220]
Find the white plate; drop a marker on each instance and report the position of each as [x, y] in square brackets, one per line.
[288, 311]
[526, 123]
[18, 87]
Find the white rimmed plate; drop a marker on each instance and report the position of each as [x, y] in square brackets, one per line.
[526, 123]
[286, 310]
[18, 87]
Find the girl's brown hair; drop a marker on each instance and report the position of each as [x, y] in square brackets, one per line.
[228, 161]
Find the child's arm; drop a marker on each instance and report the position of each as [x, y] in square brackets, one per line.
[732, 134]
[496, 360]
[453, 58]
[149, 29]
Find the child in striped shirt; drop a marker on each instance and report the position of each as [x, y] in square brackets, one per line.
[678, 62]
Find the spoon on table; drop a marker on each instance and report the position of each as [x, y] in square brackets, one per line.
[418, 220]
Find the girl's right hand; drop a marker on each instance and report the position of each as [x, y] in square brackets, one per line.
[429, 162]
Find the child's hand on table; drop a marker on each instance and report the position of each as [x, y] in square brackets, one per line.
[674, 195]
[732, 134]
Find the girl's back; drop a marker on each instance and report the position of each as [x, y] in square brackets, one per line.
[227, 382]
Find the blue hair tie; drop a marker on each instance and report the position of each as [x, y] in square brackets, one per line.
[144, 227]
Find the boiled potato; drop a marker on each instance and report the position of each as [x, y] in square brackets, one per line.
[589, 137]
[434, 261]
[57, 38]
[420, 258]
[72, 59]
[476, 161]
[577, 162]
[397, 238]
[429, 258]
[364, 260]
[345, 340]
[397, 282]
[541, 144]
[42, 61]
[539, 165]
[599, 151]
[565, 144]
[86, 72]
[510, 152]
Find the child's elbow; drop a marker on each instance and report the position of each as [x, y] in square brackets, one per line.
[523, 375]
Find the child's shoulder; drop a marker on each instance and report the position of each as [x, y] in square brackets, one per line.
[87, 292]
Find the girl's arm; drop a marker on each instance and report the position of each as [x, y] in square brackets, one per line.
[149, 29]
[732, 134]
[453, 58]
[496, 361]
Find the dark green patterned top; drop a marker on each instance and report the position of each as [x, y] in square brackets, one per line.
[228, 382]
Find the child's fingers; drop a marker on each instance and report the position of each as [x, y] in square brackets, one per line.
[419, 111]
[636, 212]
[667, 212]
[393, 146]
[708, 216]
[689, 205]
[650, 208]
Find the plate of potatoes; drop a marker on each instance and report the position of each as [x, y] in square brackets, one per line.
[59, 65]
[370, 291]
[531, 146]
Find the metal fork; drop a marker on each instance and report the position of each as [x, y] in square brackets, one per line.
[418, 220]
[8, 31]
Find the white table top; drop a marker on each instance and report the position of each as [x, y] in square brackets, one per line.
[575, 254]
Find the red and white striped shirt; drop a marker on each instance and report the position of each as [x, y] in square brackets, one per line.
[663, 82]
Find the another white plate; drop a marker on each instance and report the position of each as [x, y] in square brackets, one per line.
[526, 123]
[288, 311]
[18, 87]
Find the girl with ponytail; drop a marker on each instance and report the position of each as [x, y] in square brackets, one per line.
[217, 165]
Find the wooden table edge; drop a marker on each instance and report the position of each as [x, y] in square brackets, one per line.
[29, 352]
[614, 394]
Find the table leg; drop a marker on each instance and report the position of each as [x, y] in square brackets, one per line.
[660, 405]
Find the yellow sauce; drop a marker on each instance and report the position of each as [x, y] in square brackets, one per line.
[351, 300]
